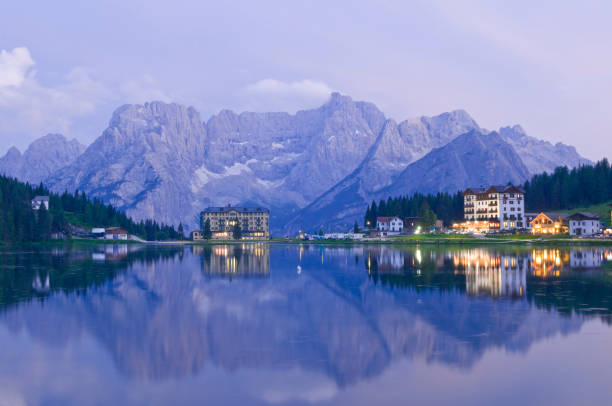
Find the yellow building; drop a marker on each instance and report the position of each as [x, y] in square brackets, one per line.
[254, 222]
[549, 223]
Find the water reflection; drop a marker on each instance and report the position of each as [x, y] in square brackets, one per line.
[350, 314]
[232, 260]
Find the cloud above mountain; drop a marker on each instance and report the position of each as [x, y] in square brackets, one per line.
[277, 95]
[14, 66]
[30, 108]
[544, 69]
[27, 106]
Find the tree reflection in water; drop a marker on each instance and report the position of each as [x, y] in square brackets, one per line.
[168, 312]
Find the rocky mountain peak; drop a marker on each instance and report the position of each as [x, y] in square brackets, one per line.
[44, 156]
[337, 99]
[13, 153]
[159, 160]
[539, 155]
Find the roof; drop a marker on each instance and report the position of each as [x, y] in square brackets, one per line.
[228, 208]
[116, 230]
[554, 216]
[386, 219]
[41, 199]
[584, 216]
[494, 189]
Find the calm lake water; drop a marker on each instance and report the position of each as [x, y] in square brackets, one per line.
[284, 324]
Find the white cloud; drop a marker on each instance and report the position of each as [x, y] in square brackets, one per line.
[14, 65]
[276, 95]
[142, 90]
[30, 109]
[304, 88]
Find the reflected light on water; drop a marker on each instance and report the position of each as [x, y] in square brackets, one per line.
[181, 321]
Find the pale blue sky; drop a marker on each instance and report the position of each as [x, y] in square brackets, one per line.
[66, 65]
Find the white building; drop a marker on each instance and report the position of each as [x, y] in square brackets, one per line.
[334, 236]
[501, 207]
[394, 224]
[116, 233]
[584, 224]
[39, 201]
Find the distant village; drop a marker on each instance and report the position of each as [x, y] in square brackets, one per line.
[501, 209]
[487, 210]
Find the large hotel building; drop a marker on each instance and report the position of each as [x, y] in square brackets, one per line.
[495, 207]
[254, 222]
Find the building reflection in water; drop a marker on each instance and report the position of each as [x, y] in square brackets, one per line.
[495, 273]
[234, 260]
[492, 275]
[111, 252]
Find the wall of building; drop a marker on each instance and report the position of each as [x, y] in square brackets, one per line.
[255, 225]
[584, 227]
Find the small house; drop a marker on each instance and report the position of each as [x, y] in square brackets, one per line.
[115, 233]
[550, 223]
[39, 201]
[586, 224]
[393, 224]
[98, 232]
[196, 235]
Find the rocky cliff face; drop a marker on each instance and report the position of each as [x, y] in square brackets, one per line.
[142, 162]
[162, 161]
[541, 156]
[43, 157]
[396, 147]
[474, 158]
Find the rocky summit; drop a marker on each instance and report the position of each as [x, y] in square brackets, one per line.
[44, 156]
[316, 168]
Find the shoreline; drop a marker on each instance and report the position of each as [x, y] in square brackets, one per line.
[424, 239]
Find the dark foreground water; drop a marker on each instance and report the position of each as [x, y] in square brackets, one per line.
[275, 324]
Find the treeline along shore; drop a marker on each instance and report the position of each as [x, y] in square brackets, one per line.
[23, 221]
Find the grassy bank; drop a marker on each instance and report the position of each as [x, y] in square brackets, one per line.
[602, 210]
[446, 239]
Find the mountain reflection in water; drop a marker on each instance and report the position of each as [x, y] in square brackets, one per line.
[347, 313]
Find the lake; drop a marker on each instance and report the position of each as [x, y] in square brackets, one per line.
[274, 324]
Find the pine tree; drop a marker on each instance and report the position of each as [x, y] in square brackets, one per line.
[207, 233]
[237, 232]
[43, 225]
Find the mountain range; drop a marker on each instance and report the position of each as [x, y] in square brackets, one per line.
[314, 169]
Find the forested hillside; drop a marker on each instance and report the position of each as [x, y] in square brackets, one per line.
[19, 222]
[442, 206]
[567, 189]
